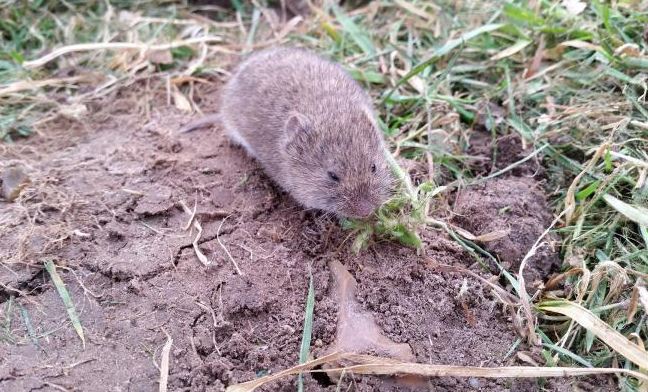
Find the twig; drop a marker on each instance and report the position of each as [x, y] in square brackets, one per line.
[201, 256]
[23, 85]
[164, 364]
[193, 215]
[238, 271]
[39, 62]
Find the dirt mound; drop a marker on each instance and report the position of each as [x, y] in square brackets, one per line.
[104, 204]
[516, 205]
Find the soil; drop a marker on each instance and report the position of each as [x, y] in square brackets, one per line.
[103, 202]
[516, 205]
[514, 201]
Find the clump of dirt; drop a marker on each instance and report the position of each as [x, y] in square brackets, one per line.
[104, 204]
[518, 206]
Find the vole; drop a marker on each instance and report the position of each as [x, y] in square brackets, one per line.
[312, 128]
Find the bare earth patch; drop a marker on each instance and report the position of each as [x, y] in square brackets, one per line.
[104, 204]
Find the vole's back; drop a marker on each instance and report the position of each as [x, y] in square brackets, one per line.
[273, 83]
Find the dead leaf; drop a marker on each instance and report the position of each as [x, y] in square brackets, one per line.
[629, 49]
[574, 7]
[579, 45]
[160, 56]
[537, 59]
[356, 329]
[75, 111]
[180, 101]
[129, 18]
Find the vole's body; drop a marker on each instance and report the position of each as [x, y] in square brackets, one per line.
[312, 128]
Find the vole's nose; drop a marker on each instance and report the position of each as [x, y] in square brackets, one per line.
[363, 209]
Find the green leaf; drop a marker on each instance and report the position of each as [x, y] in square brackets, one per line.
[568, 353]
[608, 161]
[635, 62]
[406, 236]
[332, 32]
[521, 127]
[6, 327]
[67, 300]
[238, 6]
[348, 224]
[17, 57]
[591, 188]
[522, 14]
[426, 187]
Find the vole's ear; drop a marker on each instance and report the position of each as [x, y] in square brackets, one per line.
[296, 124]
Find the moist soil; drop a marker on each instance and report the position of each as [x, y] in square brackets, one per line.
[104, 203]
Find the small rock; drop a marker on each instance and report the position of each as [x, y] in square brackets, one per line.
[14, 180]
[474, 383]
[157, 200]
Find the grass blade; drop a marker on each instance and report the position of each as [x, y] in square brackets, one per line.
[6, 327]
[359, 36]
[568, 353]
[28, 324]
[366, 76]
[522, 14]
[67, 300]
[510, 51]
[636, 214]
[308, 330]
[599, 328]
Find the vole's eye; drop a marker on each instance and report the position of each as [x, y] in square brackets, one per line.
[373, 168]
[333, 176]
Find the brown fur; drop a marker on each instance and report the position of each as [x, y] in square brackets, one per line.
[306, 120]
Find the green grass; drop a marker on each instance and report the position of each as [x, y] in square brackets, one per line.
[67, 301]
[307, 331]
[440, 64]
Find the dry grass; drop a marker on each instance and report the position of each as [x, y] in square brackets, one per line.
[365, 364]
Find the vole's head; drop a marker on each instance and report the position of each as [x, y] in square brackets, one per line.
[337, 163]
